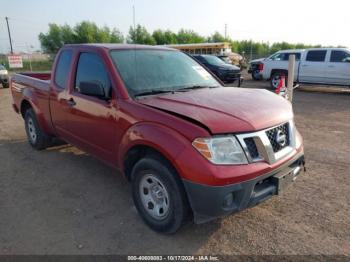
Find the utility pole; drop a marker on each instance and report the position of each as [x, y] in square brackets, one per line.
[251, 50]
[8, 30]
[134, 24]
[133, 16]
[225, 32]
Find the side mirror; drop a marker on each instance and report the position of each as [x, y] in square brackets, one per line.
[347, 60]
[92, 89]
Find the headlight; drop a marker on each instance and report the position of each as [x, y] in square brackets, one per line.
[224, 150]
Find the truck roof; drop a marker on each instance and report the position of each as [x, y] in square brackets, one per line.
[291, 50]
[120, 46]
[316, 48]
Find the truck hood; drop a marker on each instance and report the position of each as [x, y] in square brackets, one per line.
[257, 60]
[225, 109]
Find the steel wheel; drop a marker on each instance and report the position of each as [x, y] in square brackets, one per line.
[32, 130]
[154, 197]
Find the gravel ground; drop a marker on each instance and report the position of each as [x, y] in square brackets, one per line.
[63, 201]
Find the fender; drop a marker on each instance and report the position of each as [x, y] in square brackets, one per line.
[32, 98]
[167, 141]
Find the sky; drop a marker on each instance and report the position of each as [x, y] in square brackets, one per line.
[297, 21]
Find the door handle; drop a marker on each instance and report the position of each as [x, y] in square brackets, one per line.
[331, 66]
[71, 102]
[304, 65]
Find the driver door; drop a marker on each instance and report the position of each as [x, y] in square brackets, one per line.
[92, 121]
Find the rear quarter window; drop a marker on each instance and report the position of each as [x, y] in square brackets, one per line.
[63, 68]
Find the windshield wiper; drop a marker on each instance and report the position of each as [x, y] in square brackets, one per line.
[187, 88]
[153, 92]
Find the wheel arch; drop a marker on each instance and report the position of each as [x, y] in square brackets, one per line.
[273, 71]
[153, 139]
[25, 105]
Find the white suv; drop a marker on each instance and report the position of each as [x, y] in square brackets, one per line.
[318, 65]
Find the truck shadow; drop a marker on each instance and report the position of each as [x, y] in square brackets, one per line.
[62, 200]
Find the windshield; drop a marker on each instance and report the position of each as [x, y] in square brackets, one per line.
[213, 60]
[159, 70]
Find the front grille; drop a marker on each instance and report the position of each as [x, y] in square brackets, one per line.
[251, 146]
[275, 133]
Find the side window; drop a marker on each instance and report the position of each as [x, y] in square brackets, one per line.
[316, 56]
[92, 72]
[339, 56]
[63, 67]
[278, 57]
[297, 56]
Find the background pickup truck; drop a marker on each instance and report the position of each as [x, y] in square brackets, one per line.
[329, 66]
[189, 146]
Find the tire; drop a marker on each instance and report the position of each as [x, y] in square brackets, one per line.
[5, 85]
[159, 195]
[36, 136]
[275, 77]
[256, 75]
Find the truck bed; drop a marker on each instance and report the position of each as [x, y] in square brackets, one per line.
[33, 87]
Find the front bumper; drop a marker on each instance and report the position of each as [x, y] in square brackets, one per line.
[209, 202]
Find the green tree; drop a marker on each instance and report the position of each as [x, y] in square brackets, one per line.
[116, 36]
[216, 38]
[140, 35]
[164, 37]
[52, 41]
[84, 32]
[189, 37]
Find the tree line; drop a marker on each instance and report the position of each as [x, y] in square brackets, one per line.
[89, 32]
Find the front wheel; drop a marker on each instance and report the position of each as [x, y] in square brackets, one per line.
[159, 195]
[6, 85]
[276, 78]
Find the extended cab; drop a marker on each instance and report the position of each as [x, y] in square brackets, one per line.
[329, 66]
[188, 145]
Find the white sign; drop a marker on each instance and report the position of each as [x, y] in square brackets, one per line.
[15, 61]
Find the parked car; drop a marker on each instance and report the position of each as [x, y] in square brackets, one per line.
[189, 146]
[329, 66]
[4, 77]
[225, 72]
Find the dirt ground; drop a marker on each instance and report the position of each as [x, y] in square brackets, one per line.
[62, 201]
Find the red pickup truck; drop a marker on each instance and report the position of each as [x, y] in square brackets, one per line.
[190, 147]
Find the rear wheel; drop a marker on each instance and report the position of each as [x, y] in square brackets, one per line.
[276, 78]
[36, 137]
[256, 75]
[159, 195]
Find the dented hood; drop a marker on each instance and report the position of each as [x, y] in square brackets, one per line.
[225, 109]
